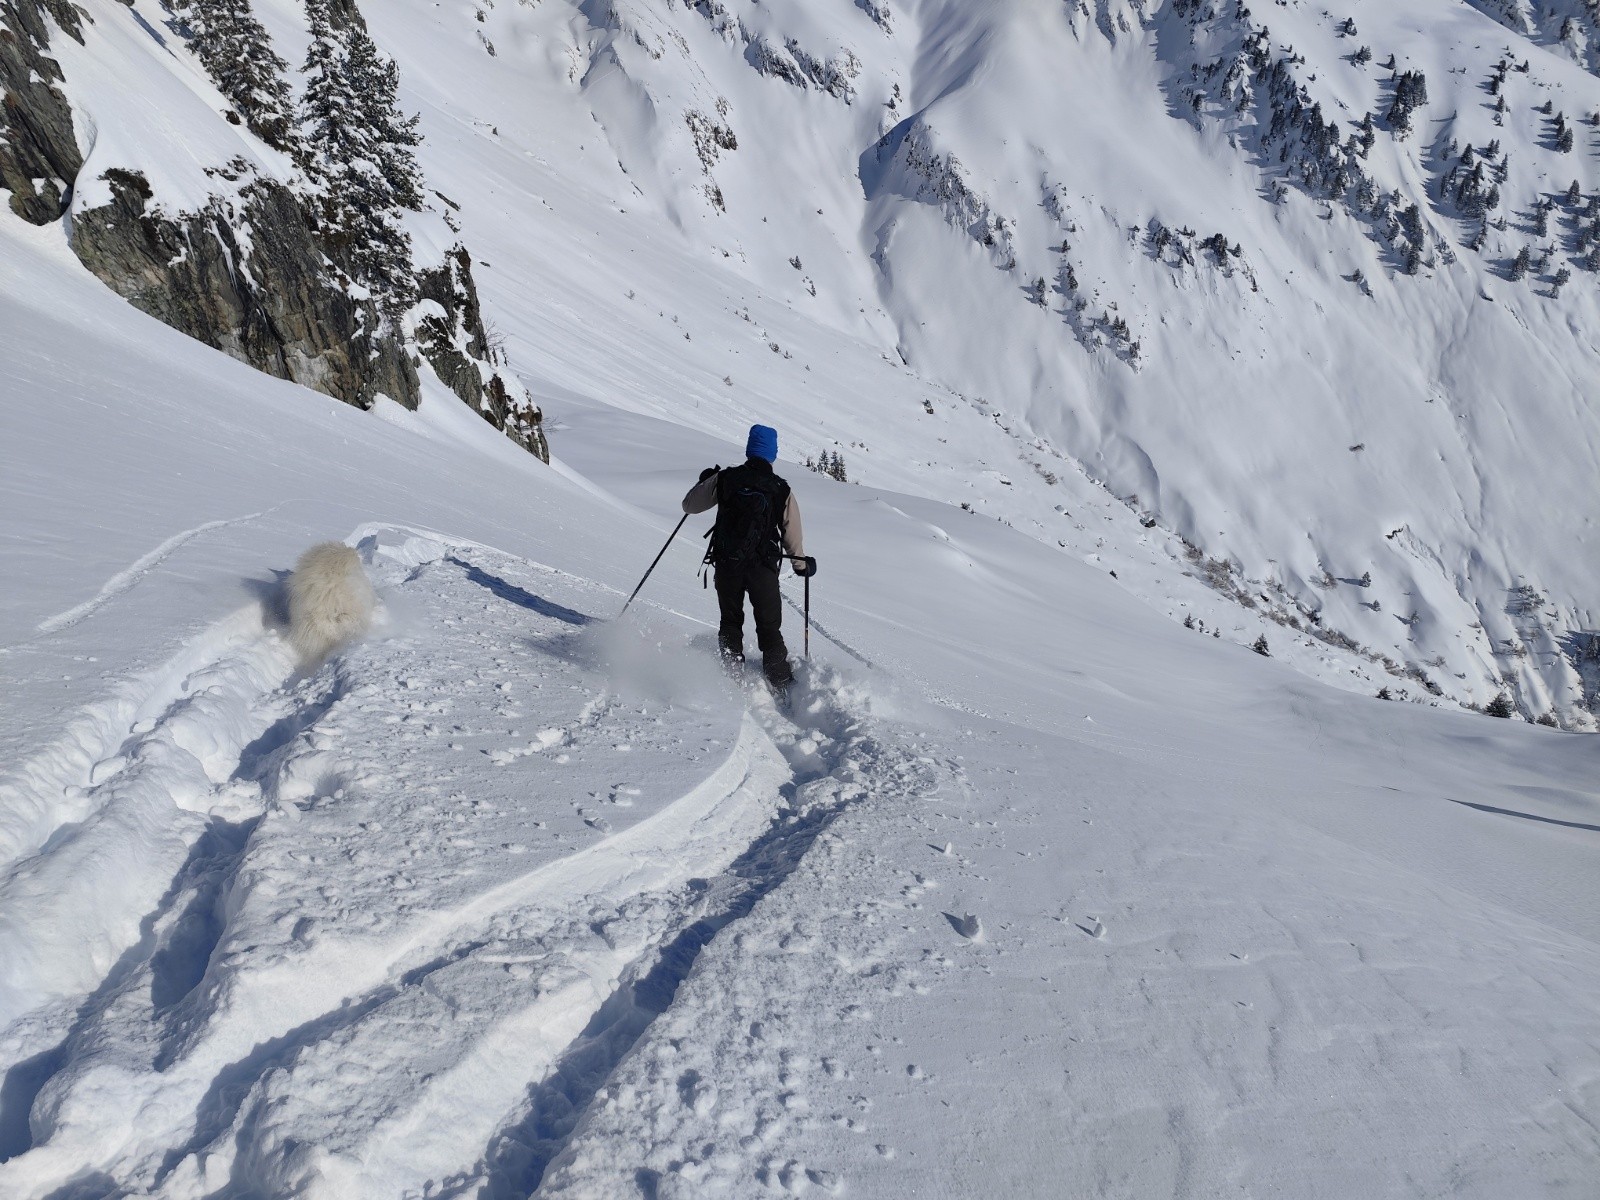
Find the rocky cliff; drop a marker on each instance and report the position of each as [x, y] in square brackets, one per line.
[39, 156]
[245, 272]
[244, 275]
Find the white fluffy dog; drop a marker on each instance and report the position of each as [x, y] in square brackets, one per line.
[330, 601]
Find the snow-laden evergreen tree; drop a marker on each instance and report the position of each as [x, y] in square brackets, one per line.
[1410, 94]
[395, 134]
[237, 53]
[1520, 265]
[357, 154]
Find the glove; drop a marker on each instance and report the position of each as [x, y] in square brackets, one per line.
[804, 567]
[708, 473]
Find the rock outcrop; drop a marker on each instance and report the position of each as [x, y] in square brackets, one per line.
[39, 155]
[247, 273]
[451, 335]
[244, 275]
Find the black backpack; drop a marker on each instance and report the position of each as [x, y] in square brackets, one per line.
[751, 505]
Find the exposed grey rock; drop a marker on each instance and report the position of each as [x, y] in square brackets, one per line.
[36, 136]
[267, 299]
[248, 273]
[457, 347]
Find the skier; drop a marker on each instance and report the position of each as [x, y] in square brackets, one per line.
[758, 525]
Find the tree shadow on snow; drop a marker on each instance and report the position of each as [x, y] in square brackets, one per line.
[1511, 812]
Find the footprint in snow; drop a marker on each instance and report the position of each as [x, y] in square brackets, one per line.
[623, 795]
[1093, 927]
[968, 926]
[600, 823]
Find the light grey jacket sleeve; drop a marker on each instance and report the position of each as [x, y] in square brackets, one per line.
[794, 540]
[702, 496]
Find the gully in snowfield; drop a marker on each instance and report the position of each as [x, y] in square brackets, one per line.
[758, 526]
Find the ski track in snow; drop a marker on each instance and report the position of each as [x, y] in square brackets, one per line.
[509, 900]
[430, 1006]
[129, 576]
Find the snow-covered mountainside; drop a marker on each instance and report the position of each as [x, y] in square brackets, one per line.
[1132, 334]
[1305, 290]
[1256, 272]
[1032, 892]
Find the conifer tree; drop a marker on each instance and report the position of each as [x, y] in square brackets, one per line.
[237, 53]
[1519, 267]
[357, 154]
[1410, 94]
[377, 81]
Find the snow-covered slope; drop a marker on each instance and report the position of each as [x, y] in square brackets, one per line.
[1064, 900]
[1301, 411]
[1035, 891]
[1244, 274]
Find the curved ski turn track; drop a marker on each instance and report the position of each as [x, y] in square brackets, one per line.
[370, 968]
[512, 899]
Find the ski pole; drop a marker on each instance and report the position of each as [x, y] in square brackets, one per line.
[800, 558]
[808, 618]
[653, 562]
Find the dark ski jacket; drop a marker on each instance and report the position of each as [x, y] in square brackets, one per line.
[703, 496]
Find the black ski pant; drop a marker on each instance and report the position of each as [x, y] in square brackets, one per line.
[760, 583]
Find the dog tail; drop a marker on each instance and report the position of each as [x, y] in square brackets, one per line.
[330, 601]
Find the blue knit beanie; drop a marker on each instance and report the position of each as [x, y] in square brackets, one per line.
[763, 443]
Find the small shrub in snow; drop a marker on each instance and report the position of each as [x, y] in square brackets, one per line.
[1260, 646]
[1500, 706]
